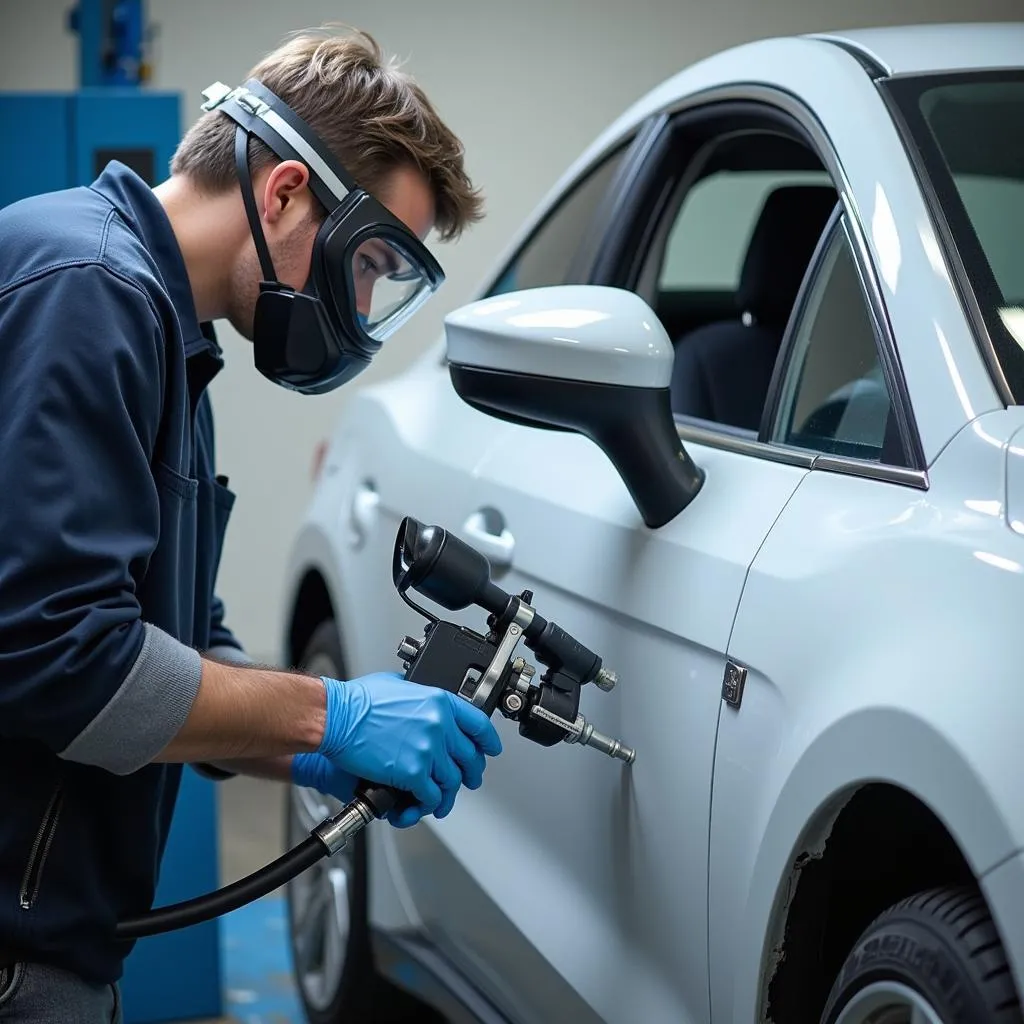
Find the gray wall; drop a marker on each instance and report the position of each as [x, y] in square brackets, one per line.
[527, 85]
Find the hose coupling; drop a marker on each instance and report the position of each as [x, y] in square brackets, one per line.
[336, 832]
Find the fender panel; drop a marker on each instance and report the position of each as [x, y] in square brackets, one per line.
[886, 745]
[878, 627]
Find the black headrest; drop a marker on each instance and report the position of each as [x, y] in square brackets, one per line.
[791, 222]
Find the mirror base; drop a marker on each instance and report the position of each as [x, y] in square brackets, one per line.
[633, 426]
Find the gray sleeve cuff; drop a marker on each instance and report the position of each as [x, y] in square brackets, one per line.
[146, 712]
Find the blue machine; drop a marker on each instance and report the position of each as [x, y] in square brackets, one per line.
[51, 141]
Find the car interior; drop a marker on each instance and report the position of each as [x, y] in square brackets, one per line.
[707, 381]
[727, 338]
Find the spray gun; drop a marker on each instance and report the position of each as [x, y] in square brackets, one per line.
[482, 668]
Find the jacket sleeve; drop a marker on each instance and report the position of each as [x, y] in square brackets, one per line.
[81, 388]
[223, 642]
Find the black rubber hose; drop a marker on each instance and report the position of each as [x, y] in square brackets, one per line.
[231, 897]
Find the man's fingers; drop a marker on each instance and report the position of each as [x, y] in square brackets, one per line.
[405, 818]
[446, 774]
[444, 808]
[475, 724]
[449, 778]
[426, 792]
[469, 759]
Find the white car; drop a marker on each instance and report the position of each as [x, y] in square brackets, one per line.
[774, 316]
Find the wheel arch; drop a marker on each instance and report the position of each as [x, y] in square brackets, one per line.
[312, 606]
[877, 766]
[312, 594]
[874, 845]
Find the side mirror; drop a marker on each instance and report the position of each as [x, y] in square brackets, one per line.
[584, 358]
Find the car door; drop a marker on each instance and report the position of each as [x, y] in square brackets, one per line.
[581, 885]
[410, 447]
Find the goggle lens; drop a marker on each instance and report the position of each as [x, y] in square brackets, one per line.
[388, 286]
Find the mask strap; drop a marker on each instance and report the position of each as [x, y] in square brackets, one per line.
[242, 165]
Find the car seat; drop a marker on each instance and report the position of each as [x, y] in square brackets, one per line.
[722, 370]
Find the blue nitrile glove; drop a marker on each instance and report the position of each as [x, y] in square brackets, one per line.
[315, 771]
[418, 739]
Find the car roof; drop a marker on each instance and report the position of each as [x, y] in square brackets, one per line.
[898, 50]
[917, 49]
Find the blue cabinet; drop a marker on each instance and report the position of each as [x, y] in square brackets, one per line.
[177, 976]
[50, 141]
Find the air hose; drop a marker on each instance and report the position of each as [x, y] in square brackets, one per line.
[331, 835]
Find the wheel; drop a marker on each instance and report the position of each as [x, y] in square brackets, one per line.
[934, 958]
[327, 904]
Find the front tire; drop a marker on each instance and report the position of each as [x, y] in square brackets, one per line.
[327, 904]
[935, 958]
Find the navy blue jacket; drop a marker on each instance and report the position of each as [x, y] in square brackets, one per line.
[111, 526]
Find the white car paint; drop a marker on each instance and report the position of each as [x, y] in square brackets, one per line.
[876, 621]
[560, 333]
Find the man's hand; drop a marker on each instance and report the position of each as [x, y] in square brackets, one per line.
[317, 772]
[418, 739]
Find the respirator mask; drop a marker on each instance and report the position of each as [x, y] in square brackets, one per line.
[369, 273]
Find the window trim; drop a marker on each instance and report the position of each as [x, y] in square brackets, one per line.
[590, 242]
[838, 222]
[615, 205]
[653, 187]
[597, 225]
[691, 430]
[791, 112]
[776, 390]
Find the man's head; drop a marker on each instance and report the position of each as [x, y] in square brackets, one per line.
[379, 126]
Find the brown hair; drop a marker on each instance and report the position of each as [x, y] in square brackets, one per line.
[373, 117]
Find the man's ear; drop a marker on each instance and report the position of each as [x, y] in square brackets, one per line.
[285, 193]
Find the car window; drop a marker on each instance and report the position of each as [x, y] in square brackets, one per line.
[834, 395]
[708, 239]
[965, 129]
[725, 265]
[546, 257]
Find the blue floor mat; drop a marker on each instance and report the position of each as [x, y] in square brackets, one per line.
[259, 987]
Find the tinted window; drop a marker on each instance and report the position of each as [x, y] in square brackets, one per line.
[835, 398]
[546, 257]
[968, 131]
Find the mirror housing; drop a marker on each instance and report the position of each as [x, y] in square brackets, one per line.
[582, 358]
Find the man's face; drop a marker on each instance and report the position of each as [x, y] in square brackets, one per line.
[290, 224]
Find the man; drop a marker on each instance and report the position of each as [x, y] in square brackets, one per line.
[296, 209]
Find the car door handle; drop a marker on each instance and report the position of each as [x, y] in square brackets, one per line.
[363, 513]
[485, 530]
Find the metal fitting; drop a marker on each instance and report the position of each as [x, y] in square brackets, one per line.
[590, 737]
[606, 680]
[336, 832]
[513, 703]
[408, 649]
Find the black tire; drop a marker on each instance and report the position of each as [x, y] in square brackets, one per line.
[354, 998]
[942, 944]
